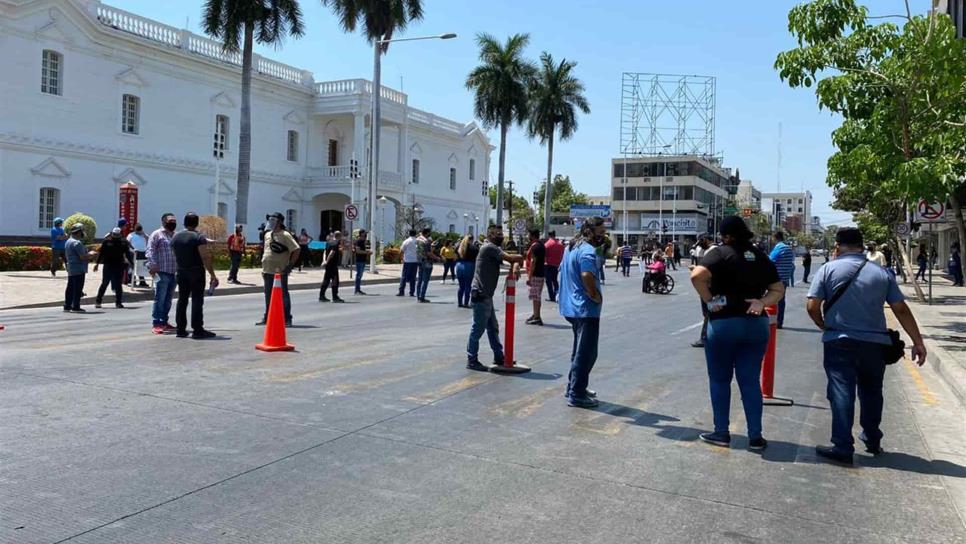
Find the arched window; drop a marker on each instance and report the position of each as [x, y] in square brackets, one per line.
[472, 169]
[49, 207]
[51, 72]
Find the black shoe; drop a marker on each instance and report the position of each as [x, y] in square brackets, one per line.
[261, 323]
[288, 322]
[839, 456]
[324, 299]
[97, 304]
[697, 344]
[119, 306]
[337, 299]
[78, 310]
[202, 334]
[582, 402]
[400, 294]
[144, 284]
[590, 393]
[423, 300]
[757, 444]
[66, 308]
[535, 322]
[475, 364]
[361, 293]
[722, 438]
[181, 334]
[873, 447]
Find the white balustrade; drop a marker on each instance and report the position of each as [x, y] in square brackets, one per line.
[279, 70]
[139, 26]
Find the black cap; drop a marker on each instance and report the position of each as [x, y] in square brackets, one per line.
[849, 236]
[735, 227]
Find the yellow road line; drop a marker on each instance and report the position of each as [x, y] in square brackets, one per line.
[449, 389]
[526, 406]
[927, 395]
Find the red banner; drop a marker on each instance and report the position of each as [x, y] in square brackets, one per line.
[128, 206]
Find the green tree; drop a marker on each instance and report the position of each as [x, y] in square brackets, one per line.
[238, 24]
[760, 224]
[555, 97]
[563, 195]
[500, 85]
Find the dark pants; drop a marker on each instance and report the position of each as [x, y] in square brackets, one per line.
[304, 258]
[331, 277]
[236, 257]
[464, 275]
[735, 347]
[583, 355]
[484, 320]
[449, 267]
[553, 286]
[422, 285]
[268, 280]
[626, 266]
[73, 292]
[957, 273]
[114, 275]
[921, 274]
[853, 365]
[57, 259]
[704, 325]
[808, 270]
[191, 286]
[360, 268]
[781, 307]
[408, 276]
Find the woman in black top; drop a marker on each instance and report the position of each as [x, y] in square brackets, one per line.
[736, 281]
[465, 267]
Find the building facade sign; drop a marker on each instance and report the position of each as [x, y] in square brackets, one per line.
[580, 212]
[684, 224]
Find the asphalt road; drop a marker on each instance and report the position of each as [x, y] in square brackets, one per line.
[374, 432]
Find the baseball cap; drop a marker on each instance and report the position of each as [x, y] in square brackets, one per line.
[116, 230]
[77, 227]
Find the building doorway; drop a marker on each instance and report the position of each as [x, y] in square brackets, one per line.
[329, 221]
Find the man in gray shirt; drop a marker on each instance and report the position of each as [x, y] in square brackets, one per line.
[485, 279]
[854, 338]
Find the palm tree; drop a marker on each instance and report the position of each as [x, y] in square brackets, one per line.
[239, 23]
[555, 96]
[500, 83]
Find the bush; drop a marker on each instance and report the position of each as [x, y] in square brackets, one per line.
[90, 226]
[212, 226]
[391, 255]
[19, 258]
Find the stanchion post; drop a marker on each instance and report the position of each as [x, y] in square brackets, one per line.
[509, 365]
[768, 363]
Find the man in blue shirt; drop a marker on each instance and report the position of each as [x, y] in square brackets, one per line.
[580, 302]
[58, 240]
[854, 336]
[784, 259]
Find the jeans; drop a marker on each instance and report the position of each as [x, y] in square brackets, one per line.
[113, 275]
[583, 355]
[268, 281]
[235, 263]
[484, 319]
[921, 274]
[191, 286]
[626, 266]
[360, 268]
[553, 286]
[449, 266]
[808, 270]
[736, 345]
[331, 276]
[57, 258]
[163, 293]
[425, 272]
[781, 307]
[854, 365]
[408, 276]
[464, 275]
[72, 294]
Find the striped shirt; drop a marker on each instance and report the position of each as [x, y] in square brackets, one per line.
[626, 252]
[784, 260]
[160, 253]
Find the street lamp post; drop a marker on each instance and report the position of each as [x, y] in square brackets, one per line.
[375, 124]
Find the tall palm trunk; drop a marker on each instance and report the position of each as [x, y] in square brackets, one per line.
[547, 195]
[504, 126]
[245, 133]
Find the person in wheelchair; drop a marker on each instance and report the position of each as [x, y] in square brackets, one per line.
[656, 273]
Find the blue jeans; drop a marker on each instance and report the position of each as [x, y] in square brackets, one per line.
[236, 257]
[464, 275]
[408, 276]
[854, 365]
[781, 307]
[425, 272]
[736, 346]
[360, 268]
[553, 286]
[163, 293]
[484, 319]
[583, 355]
[268, 283]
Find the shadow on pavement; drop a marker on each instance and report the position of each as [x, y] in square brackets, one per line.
[912, 463]
[541, 376]
[302, 327]
[634, 415]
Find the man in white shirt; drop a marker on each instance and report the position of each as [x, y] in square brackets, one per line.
[410, 259]
[876, 256]
[139, 244]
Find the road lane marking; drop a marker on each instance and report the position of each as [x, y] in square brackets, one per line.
[449, 389]
[927, 396]
[526, 406]
[688, 328]
[388, 379]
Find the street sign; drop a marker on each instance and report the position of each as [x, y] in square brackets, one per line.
[351, 212]
[519, 227]
[902, 229]
[930, 212]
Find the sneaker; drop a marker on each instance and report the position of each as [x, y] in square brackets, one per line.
[442, 282]
[423, 300]
[202, 334]
[757, 444]
[181, 334]
[119, 306]
[590, 393]
[475, 364]
[537, 321]
[168, 327]
[97, 304]
[697, 344]
[158, 329]
[872, 447]
[363, 293]
[582, 402]
[323, 298]
[831, 453]
[722, 438]
[337, 299]
[260, 323]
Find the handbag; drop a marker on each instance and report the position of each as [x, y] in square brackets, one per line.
[277, 247]
[891, 353]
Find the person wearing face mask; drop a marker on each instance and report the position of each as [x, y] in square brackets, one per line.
[114, 254]
[279, 256]
[580, 303]
[486, 276]
[162, 265]
[77, 257]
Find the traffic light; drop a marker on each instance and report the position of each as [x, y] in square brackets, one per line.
[354, 169]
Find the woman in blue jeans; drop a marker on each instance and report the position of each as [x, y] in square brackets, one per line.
[465, 266]
[736, 282]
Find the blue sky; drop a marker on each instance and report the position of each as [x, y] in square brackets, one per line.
[707, 37]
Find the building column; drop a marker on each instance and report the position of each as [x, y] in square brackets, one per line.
[401, 152]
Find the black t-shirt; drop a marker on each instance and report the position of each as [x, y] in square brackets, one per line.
[185, 245]
[360, 249]
[470, 253]
[538, 255]
[807, 259]
[336, 259]
[738, 274]
[113, 251]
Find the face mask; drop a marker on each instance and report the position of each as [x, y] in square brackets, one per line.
[170, 225]
[272, 221]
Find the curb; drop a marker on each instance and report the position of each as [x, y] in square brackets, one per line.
[945, 366]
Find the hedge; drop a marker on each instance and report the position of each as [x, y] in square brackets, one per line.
[18, 258]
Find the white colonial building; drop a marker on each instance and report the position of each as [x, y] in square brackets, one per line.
[94, 97]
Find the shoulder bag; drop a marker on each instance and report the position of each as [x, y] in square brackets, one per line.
[892, 353]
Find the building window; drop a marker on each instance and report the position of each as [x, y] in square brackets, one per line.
[221, 136]
[472, 169]
[49, 205]
[130, 114]
[452, 179]
[452, 227]
[223, 210]
[631, 193]
[293, 146]
[333, 152]
[51, 73]
[415, 170]
[291, 216]
[618, 193]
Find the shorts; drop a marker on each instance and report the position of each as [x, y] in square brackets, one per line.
[535, 288]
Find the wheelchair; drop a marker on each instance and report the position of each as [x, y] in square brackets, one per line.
[661, 284]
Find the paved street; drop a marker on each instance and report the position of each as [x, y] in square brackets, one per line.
[374, 432]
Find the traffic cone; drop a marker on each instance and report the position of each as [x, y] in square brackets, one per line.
[275, 327]
[768, 363]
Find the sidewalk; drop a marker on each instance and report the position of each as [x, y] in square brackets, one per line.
[943, 325]
[39, 289]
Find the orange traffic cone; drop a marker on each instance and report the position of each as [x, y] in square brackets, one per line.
[275, 327]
